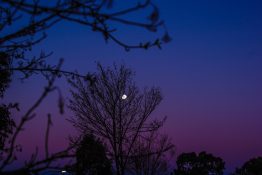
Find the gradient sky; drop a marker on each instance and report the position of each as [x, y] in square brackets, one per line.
[210, 75]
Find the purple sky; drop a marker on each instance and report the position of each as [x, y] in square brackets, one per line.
[210, 75]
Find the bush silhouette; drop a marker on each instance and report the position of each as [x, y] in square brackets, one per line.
[201, 164]
[251, 167]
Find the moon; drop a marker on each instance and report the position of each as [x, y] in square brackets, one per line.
[124, 97]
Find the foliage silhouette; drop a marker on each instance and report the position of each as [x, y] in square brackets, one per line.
[91, 157]
[7, 125]
[99, 109]
[5, 74]
[203, 163]
[23, 24]
[251, 167]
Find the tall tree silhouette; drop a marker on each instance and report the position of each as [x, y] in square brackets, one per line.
[251, 167]
[25, 23]
[203, 163]
[115, 110]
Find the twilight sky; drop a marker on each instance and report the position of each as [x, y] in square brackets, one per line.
[210, 75]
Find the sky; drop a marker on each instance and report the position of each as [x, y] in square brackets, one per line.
[210, 75]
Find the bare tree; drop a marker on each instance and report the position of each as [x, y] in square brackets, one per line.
[115, 110]
[25, 23]
[151, 155]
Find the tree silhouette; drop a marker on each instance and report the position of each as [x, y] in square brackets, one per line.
[91, 157]
[25, 23]
[7, 125]
[251, 167]
[114, 110]
[203, 163]
[4, 73]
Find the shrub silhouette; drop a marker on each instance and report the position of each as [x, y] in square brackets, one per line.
[251, 167]
[201, 164]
